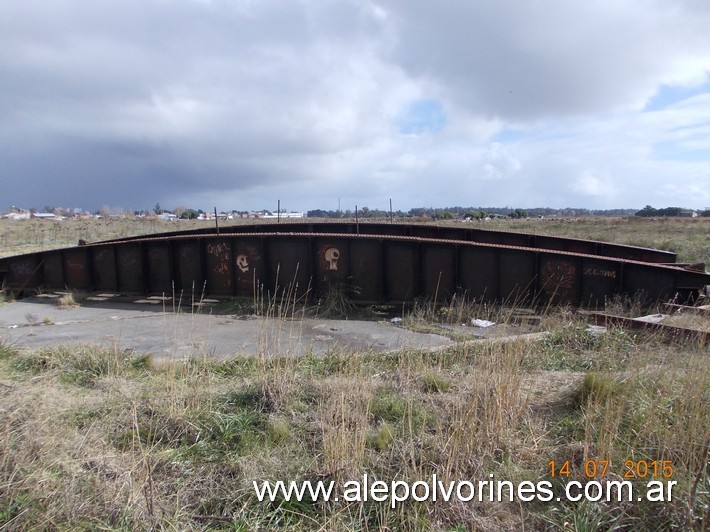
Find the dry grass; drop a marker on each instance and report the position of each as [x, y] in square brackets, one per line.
[690, 321]
[688, 237]
[105, 439]
[27, 236]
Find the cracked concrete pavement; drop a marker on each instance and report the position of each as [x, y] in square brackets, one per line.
[148, 327]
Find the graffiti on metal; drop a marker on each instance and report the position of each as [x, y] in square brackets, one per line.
[242, 263]
[331, 257]
[599, 272]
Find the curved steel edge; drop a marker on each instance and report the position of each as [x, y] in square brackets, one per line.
[468, 234]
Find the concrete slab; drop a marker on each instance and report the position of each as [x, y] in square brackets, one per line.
[154, 328]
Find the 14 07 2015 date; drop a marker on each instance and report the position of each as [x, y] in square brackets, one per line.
[598, 468]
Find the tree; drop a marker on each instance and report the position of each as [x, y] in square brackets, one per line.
[647, 211]
[476, 215]
[189, 214]
[157, 209]
[177, 211]
[668, 211]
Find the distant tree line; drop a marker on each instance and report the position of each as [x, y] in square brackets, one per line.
[650, 212]
[473, 213]
[431, 213]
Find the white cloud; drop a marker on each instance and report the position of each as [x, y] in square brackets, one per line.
[589, 184]
[499, 163]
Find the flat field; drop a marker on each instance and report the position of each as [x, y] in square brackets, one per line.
[28, 236]
[104, 439]
[688, 237]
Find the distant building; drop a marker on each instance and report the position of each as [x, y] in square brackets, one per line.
[267, 214]
[80, 214]
[45, 216]
[22, 215]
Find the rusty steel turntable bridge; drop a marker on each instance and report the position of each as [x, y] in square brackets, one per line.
[371, 262]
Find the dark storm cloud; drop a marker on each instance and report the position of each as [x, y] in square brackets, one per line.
[529, 60]
[240, 102]
[187, 95]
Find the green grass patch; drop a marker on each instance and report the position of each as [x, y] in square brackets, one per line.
[405, 411]
[381, 438]
[577, 348]
[435, 383]
[80, 365]
[598, 388]
[8, 350]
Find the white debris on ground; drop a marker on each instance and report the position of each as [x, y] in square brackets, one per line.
[596, 330]
[482, 323]
[653, 318]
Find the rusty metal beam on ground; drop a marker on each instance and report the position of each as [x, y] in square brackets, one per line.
[667, 332]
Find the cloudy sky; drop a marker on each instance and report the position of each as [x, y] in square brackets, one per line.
[239, 103]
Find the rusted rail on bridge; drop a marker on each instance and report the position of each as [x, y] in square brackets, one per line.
[372, 263]
[468, 234]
